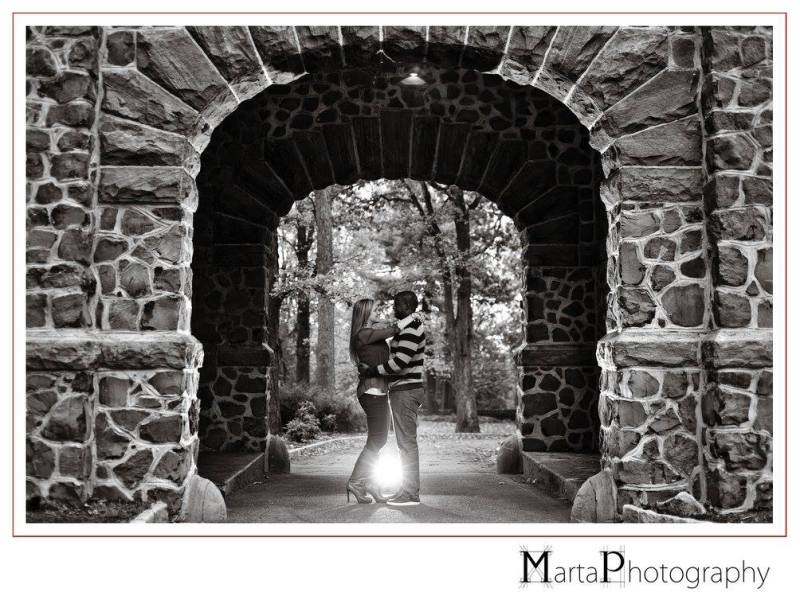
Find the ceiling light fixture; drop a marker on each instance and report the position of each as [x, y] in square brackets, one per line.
[413, 79]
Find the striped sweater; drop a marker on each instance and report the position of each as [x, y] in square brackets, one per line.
[405, 365]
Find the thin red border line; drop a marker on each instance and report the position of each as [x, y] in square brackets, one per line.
[786, 269]
[13, 265]
[785, 294]
[398, 13]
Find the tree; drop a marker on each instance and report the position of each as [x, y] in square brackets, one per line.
[305, 240]
[453, 248]
[326, 348]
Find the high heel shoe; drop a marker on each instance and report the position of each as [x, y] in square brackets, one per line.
[374, 490]
[357, 489]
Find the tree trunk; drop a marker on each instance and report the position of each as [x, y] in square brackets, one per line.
[305, 239]
[274, 341]
[462, 331]
[326, 350]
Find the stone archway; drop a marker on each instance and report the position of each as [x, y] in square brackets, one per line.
[117, 121]
[514, 144]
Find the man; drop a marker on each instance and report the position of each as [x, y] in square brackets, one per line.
[405, 369]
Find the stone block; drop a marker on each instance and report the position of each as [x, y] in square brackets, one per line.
[69, 310]
[39, 459]
[202, 502]
[636, 307]
[278, 49]
[763, 269]
[634, 224]
[75, 462]
[233, 54]
[76, 244]
[161, 430]
[485, 47]
[683, 504]
[126, 143]
[731, 310]
[685, 305]
[142, 185]
[681, 452]
[79, 113]
[731, 349]
[676, 143]
[631, 57]
[108, 442]
[725, 490]
[120, 48]
[660, 277]
[174, 61]
[114, 391]
[509, 456]
[67, 421]
[740, 450]
[596, 500]
[132, 96]
[730, 266]
[40, 62]
[723, 407]
[132, 470]
[668, 96]
[69, 86]
[637, 472]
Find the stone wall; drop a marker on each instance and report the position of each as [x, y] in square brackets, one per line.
[681, 116]
[737, 404]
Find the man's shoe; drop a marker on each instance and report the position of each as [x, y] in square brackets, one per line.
[403, 499]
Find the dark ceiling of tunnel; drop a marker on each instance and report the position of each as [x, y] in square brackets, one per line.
[514, 144]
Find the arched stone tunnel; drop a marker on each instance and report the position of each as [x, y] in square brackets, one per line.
[648, 295]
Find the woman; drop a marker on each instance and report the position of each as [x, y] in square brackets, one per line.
[368, 345]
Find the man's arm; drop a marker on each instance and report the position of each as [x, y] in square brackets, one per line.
[407, 346]
[368, 335]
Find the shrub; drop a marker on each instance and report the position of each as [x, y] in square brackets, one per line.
[305, 425]
[292, 395]
[342, 415]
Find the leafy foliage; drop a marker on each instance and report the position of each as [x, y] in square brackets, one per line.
[305, 425]
[382, 244]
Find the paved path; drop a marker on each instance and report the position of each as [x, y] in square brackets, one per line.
[458, 481]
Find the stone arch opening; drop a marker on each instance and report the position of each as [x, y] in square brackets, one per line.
[514, 144]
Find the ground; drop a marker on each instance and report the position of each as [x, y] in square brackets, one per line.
[93, 511]
[458, 485]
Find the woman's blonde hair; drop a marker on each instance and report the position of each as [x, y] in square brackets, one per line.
[361, 312]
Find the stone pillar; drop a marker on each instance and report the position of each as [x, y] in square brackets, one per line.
[230, 319]
[61, 168]
[659, 300]
[564, 259]
[233, 228]
[112, 368]
[737, 403]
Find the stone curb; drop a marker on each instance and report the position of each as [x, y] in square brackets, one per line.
[249, 473]
[302, 450]
[155, 513]
[553, 479]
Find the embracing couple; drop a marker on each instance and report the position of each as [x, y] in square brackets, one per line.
[389, 375]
